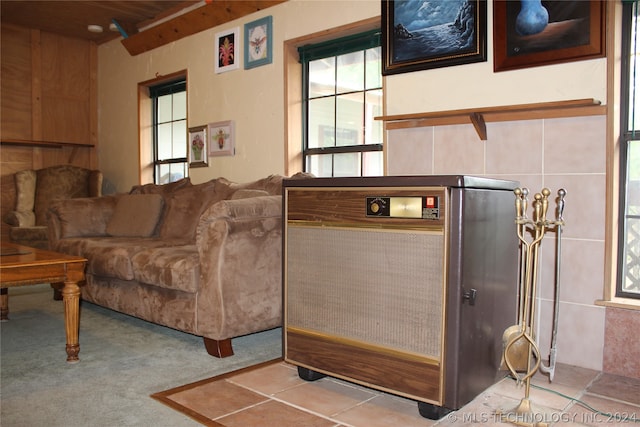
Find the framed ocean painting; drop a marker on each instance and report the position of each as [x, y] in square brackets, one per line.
[419, 35]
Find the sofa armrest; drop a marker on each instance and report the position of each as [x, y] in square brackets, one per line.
[240, 245]
[242, 209]
[87, 216]
[20, 218]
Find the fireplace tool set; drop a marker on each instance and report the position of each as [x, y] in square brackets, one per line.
[521, 354]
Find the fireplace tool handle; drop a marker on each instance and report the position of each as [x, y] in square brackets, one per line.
[559, 222]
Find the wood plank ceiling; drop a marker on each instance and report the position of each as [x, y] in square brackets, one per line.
[147, 23]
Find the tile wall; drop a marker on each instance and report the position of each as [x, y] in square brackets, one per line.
[564, 153]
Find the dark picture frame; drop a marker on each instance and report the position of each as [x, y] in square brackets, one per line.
[575, 32]
[197, 149]
[415, 38]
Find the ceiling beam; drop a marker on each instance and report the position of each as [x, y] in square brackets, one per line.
[212, 14]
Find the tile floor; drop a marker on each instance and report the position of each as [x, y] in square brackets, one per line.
[275, 395]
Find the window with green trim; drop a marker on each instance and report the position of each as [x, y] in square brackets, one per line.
[342, 93]
[628, 285]
[169, 110]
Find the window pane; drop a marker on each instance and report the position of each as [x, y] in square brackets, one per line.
[321, 117]
[373, 109]
[171, 172]
[320, 164]
[180, 106]
[350, 70]
[372, 164]
[179, 139]
[343, 164]
[374, 68]
[165, 109]
[346, 164]
[322, 77]
[164, 141]
[349, 119]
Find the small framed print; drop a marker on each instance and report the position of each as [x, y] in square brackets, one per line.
[221, 138]
[198, 147]
[228, 50]
[258, 42]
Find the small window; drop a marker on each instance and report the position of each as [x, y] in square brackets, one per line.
[169, 105]
[342, 94]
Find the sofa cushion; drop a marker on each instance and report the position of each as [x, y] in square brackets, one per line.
[184, 207]
[84, 216]
[109, 256]
[176, 267]
[135, 215]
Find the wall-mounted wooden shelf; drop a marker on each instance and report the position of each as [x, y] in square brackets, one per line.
[46, 144]
[479, 117]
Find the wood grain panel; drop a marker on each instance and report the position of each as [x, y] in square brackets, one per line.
[16, 82]
[407, 376]
[321, 206]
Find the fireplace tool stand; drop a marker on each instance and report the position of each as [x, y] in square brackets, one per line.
[521, 354]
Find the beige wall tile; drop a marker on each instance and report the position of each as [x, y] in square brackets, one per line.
[410, 151]
[580, 334]
[514, 147]
[584, 212]
[575, 145]
[458, 150]
[582, 270]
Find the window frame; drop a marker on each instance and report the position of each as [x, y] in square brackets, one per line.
[340, 45]
[169, 87]
[626, 137]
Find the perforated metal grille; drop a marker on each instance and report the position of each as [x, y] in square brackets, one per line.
[380, 287]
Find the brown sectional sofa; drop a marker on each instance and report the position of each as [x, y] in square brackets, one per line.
[204, 259]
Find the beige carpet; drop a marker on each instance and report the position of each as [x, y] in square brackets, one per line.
[272, 394]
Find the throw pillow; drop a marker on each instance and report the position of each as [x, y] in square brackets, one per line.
[136, 215]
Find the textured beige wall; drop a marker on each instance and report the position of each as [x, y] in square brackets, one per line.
[255, 98]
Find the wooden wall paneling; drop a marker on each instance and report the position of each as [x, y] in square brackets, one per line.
[15, 59]
[48, 92]
[65, 89]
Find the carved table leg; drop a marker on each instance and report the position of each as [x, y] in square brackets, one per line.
[4, 304]
[71, 300]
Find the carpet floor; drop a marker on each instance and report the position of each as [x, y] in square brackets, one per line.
[123, 360]
[272, 394]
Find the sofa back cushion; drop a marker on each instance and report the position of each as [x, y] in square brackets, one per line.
[136, 215]
[185, 205]
[161, 188]
[59, 182]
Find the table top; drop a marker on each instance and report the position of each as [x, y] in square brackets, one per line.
[13, 255]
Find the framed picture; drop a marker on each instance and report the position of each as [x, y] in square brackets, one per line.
[419, 35]
[228, 50]
[258, 42]
[221, 142]
[548, 32]
[198, 147]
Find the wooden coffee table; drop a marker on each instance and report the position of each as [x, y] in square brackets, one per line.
[23, 265]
